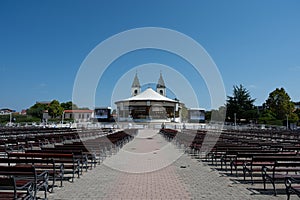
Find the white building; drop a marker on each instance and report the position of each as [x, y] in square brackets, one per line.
[149, 105]
[78, 115]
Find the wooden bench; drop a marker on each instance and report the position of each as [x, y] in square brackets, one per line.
[9, 190]
[259, 161]
[226, 153]
[236, 156]
[97, 148]
[55, 171]
[245, 158]
[25, 175]
[292, 186]
[169, 134]
[282, 168]
[84, 157]
[70, 162]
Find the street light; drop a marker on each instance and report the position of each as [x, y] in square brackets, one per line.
[235, 119]
[287, 122]
[10, 118]
[62, 118]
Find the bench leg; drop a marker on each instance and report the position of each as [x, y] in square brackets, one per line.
[288, 193]
[244, 173]
[46, 190]
[252, 181]
[264, 181]
[274, 189]
[61, 181]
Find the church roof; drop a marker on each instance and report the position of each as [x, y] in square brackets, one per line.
[161, 82]
[136, 82]
[148, 95]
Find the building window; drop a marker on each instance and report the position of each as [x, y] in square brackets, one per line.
[161, 92]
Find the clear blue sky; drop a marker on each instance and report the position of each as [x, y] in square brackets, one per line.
[43, 43]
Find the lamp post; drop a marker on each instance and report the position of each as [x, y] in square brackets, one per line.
[174, 112]
[62, 119]
[234, 119]
[10, 118]
[287, 122]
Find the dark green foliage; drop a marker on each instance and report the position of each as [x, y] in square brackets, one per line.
[297, 112]
[37, 110]
[280, 104]
[55, 109]
[240, 103]
[279, 109]
[16, 118]
[69, 106]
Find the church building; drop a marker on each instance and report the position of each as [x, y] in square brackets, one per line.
[148, 105]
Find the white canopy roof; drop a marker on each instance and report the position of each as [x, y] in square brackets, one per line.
[150, 95]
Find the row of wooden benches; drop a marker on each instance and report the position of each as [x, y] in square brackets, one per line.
[51, 165]
[22, 182]
[274, 168]
[194, 138]
[275, 161]
[21, 142]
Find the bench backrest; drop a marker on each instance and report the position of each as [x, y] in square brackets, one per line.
[259, 154]
[41, 155]
[31, 161]
[276, 158]
[7, 183]
[19, 170]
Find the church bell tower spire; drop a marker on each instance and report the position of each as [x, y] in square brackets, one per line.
[161, 87]
[135, 87]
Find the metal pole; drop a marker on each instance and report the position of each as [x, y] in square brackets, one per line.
[10, 118]
[174, 112]
[234, 119]
[287, 122]
[62, 118]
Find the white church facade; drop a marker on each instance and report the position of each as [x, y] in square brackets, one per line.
[148, 105]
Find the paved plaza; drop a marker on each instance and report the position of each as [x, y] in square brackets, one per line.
[149, 167]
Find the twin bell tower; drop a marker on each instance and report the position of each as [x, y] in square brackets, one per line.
[136, 87]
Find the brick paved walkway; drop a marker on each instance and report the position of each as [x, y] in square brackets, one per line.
[148, 168]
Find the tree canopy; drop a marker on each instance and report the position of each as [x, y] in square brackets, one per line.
[37, 110]
[279, 108]
[55, 109]
[69, 106]
[279, 103]
[241, 105]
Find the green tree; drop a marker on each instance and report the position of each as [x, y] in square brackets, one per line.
[55, 109]
[293, 118]
[69, 106]
[240, 104]
[37, 110]
[208, 115]
[268, 117]
[279, 103]
[297, 112]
